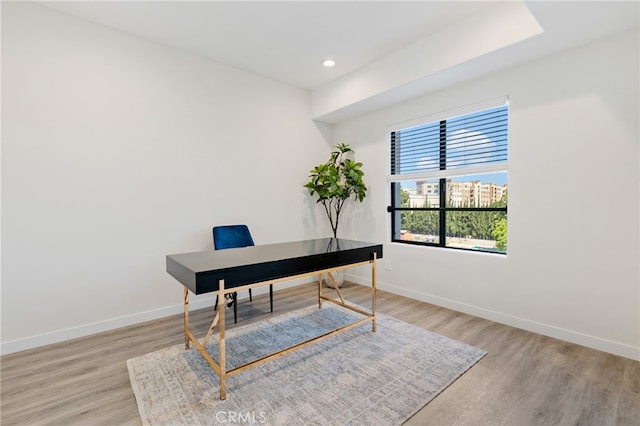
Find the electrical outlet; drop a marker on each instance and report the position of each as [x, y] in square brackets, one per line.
[387, 265]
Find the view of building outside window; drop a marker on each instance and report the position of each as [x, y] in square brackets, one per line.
[476, 229]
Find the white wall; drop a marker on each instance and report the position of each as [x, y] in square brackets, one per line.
[572, 264]
[116, 152]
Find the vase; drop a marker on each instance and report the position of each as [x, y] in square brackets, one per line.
[338, 276]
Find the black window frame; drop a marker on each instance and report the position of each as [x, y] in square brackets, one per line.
[443, 209]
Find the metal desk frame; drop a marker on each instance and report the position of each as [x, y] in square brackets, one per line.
[219, 320]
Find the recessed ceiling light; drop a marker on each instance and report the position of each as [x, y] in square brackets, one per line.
[328, 63]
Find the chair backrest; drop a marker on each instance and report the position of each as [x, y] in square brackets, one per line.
[231, 236]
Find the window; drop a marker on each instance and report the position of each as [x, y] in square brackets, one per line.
[449, 182]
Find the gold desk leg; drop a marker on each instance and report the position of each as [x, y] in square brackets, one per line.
[335, 286]
[212, 327]
[221, 342]
[373, 291]
[319, 291]
[186, 318]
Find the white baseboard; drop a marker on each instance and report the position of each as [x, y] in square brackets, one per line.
[593, 342]
[97, 327]
[124, 321]
[571, 336]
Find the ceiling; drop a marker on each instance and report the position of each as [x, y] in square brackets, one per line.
[287, 41]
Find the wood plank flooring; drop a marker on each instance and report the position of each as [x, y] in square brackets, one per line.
[525, 379]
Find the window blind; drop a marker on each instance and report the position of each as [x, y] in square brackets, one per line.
[470, 143]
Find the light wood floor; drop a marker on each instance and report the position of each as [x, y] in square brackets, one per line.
[525, 379]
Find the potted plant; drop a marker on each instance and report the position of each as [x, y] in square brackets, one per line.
[335, 182]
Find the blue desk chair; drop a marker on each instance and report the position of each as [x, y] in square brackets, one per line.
[234, 236]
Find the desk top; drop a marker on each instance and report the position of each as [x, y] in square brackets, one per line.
[201, 271]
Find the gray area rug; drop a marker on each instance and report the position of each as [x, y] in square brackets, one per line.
[353, 378]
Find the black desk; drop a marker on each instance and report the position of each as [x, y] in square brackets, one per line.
[231, 270]
[201, 271]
